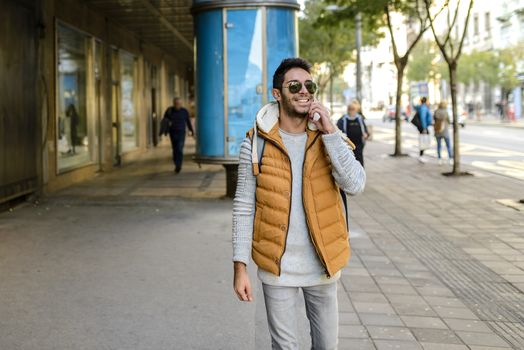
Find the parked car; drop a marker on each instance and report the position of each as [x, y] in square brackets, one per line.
[389, 114]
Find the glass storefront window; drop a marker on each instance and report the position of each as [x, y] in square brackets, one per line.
[98, 69]
[128, 112]
[74, 129]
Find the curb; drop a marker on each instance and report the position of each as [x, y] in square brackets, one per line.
[511, 125]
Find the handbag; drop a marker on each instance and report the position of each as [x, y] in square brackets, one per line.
[424, 141]
[416, 121]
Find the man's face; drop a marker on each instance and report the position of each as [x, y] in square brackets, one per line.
[295, 104]
[177, 103]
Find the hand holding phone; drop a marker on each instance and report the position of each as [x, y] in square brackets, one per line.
[319, 116]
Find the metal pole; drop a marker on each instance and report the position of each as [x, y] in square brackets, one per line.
[358, 41]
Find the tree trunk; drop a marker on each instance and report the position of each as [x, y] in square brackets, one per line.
[398, 120]
[322, 89]
[504, 103]
[456, 144]
[331, 93]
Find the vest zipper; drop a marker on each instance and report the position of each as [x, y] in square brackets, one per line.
[315, 245]
[288, 217]
[322, 261]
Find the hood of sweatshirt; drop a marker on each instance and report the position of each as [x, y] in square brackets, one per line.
[266, 119]
[268, 116]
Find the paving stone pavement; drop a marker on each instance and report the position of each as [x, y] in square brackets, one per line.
[436, 263]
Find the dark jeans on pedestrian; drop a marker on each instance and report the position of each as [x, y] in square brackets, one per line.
[177, 143]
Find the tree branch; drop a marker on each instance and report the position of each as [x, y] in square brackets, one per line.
[446, 4]
[451, 48]
[465, 29]
[417, 39]
[423, 28]
[450, 28]
[439, 44]
[422, 21]
[390, 28]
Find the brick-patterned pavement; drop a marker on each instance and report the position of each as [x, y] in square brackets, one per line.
[140, 259]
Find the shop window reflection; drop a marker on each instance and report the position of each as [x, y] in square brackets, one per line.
[73, 126]
[129, 117]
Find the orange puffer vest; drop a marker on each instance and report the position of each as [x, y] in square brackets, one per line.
[323, 206]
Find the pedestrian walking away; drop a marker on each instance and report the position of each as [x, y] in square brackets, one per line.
[174, 123]
[441, 128]
[424, 116]
[353, 125]
[71, 125]
[288, 213]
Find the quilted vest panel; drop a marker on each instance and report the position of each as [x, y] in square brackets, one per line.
[321, 199]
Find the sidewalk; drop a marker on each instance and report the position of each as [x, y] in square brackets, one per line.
[437, 264]
[140, 259]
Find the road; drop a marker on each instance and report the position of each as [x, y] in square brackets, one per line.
[491, 148]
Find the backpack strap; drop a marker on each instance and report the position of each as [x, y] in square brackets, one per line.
[257, 149]
[261, 143]
[344, 197]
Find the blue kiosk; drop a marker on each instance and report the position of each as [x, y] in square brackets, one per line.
[239, 44]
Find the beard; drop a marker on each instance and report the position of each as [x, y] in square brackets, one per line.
[291, 111]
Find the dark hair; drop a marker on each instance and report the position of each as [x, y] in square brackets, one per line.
[285, 66]
[423, 99]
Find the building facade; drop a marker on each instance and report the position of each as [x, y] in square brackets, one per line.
[490, 28]
[495, 28]
[86, 82]
[84, 86]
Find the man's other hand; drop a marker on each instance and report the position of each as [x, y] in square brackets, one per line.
[241, 282]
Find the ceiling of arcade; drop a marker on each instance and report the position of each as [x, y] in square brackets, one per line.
[167, 24]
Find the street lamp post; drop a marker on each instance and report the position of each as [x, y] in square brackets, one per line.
[358, 41]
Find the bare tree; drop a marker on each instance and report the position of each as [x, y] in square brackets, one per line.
[410, 8]
[451, 49]
[378, 12]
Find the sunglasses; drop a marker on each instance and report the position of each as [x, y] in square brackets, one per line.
[295, 86]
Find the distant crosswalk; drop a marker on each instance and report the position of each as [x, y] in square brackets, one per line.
[505, 167]
[497, 160]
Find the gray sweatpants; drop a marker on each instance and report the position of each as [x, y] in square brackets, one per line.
[321, 310]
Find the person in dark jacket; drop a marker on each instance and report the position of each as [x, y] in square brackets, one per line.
[174, 122]
[71, 128]
[353, 125]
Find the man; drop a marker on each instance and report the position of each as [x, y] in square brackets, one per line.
[425, 121]
[353, 125]
[287, 210]
[174, 122]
